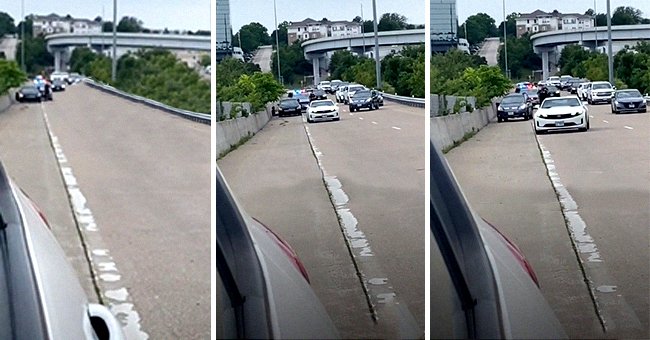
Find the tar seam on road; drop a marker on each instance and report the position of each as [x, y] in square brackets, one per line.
[375, 284]
[581, 241]
[105, 276]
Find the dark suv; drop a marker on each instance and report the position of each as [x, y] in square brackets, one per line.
[514, 106]
[368, 99]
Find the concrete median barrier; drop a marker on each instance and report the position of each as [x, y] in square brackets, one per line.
[232, 132]
[448, 131]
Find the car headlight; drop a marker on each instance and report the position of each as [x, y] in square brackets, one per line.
[298, 107]
[522, 106]
[369, 99]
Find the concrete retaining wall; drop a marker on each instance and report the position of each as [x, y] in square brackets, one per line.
[230, 132]
[446, 130]
[6, 100]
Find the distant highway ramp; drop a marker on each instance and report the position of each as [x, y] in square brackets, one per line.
[262, 57]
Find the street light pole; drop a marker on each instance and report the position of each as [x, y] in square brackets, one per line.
[595, 28]
[610, 60]
[377, 63]
[505, 39]
[362, 32]
[22, 37]
[114, 63]
[277, 41]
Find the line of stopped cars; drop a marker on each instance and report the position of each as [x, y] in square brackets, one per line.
[317, 106]
[550, 111]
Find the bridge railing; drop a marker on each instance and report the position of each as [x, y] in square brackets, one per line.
[411, 101]
[194, 116]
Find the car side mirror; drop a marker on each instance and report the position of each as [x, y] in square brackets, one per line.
[614, 87]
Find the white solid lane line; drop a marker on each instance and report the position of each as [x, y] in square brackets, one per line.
[628, 127]
[396, 128]
[591, 116]
[375, 123]
[604, 121]
[361, 118]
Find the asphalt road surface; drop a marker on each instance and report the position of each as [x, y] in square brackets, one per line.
[378, 158]
[490, 50]
[605, 171]
[262, 57]
[146, 177]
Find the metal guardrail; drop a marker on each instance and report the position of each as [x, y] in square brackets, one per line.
[417, 102]
[194, 116]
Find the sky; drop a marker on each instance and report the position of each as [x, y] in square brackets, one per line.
[157, 14]
[243, 12]
[494, 9]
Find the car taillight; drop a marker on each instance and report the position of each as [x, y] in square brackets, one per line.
[518, 254]
[287, 250]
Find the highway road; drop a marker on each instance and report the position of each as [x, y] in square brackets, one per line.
[139, 186]
[490, 51]
[602, 172]
[262, 57]
[371, 163]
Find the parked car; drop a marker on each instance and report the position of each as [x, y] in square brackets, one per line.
[553, 80]
[484, 286]
[41, 294]
[262, 287]
[334, 86]
[600, 91]
[289, 106]
[351, 89]
[582, 90]
[564, 82]
[320, 110]
[629, 100]
[324, 85]
[553, 91]
[533, 95]
[561, 114]
[58, 85]
[364, 99]
[340, 93]
[28, 93]
[574, 83]
[63, 76]
[303, 100]
[515, 105]
[318, 95]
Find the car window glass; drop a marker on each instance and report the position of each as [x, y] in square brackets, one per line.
[323, 103]
[628, 94]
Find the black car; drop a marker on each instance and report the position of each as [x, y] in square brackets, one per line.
[514, 105]
[28, 93]
[289, 106]
[58, 85]
[553, 91]
[629, 100]
[318, 95]
[364, 99]
[303, 100]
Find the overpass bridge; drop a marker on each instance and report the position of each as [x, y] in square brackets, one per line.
[550, 44]
[319, 50]
[61, 45]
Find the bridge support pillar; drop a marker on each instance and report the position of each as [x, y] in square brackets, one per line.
[58, 54]
[315, 62]
[545, 72]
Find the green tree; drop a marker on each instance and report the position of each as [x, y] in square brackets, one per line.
[631, 66]
[340, 62]
[205, 60]
[129, 24]
[293, 65]
[28, 23]
[107, 26]
[479, 27]
[7, 25]
[10, 76]
[37, 58]
[81, 58]
[252, 36]
[521, 57]
[626, 15]
[511, 26]
[391, 22]
[283, 35]
[596, 67]
[571, 57]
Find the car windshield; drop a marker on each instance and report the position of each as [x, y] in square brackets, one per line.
[28, 89]
[552, 88]
[601, 86]
[553, 78]
[289, 103]
[513, 100]
[361, 94]
[561, 102]
[628, 94]
[531, 92]
[355, 88]
[322, 103]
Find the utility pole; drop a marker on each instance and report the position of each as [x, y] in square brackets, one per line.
[377, 63]
[505, 39]
[22, 38]
[595, 29]
[362, 32]
[610, 60]
[277, 42]
[114, 64]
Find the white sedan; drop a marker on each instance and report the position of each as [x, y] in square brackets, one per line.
[319, 110]
[561, 113]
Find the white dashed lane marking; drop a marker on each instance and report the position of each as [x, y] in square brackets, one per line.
[361, 118]
[628, 127]
[604, 121]
[375, 123]
[396, 128]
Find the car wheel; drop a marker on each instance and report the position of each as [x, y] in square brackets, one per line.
[337, 119]
[505, 119]
[499, 120]
[539, 132]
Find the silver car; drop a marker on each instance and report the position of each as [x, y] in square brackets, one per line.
[262, 288]
[481, 284]
[40, 295]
